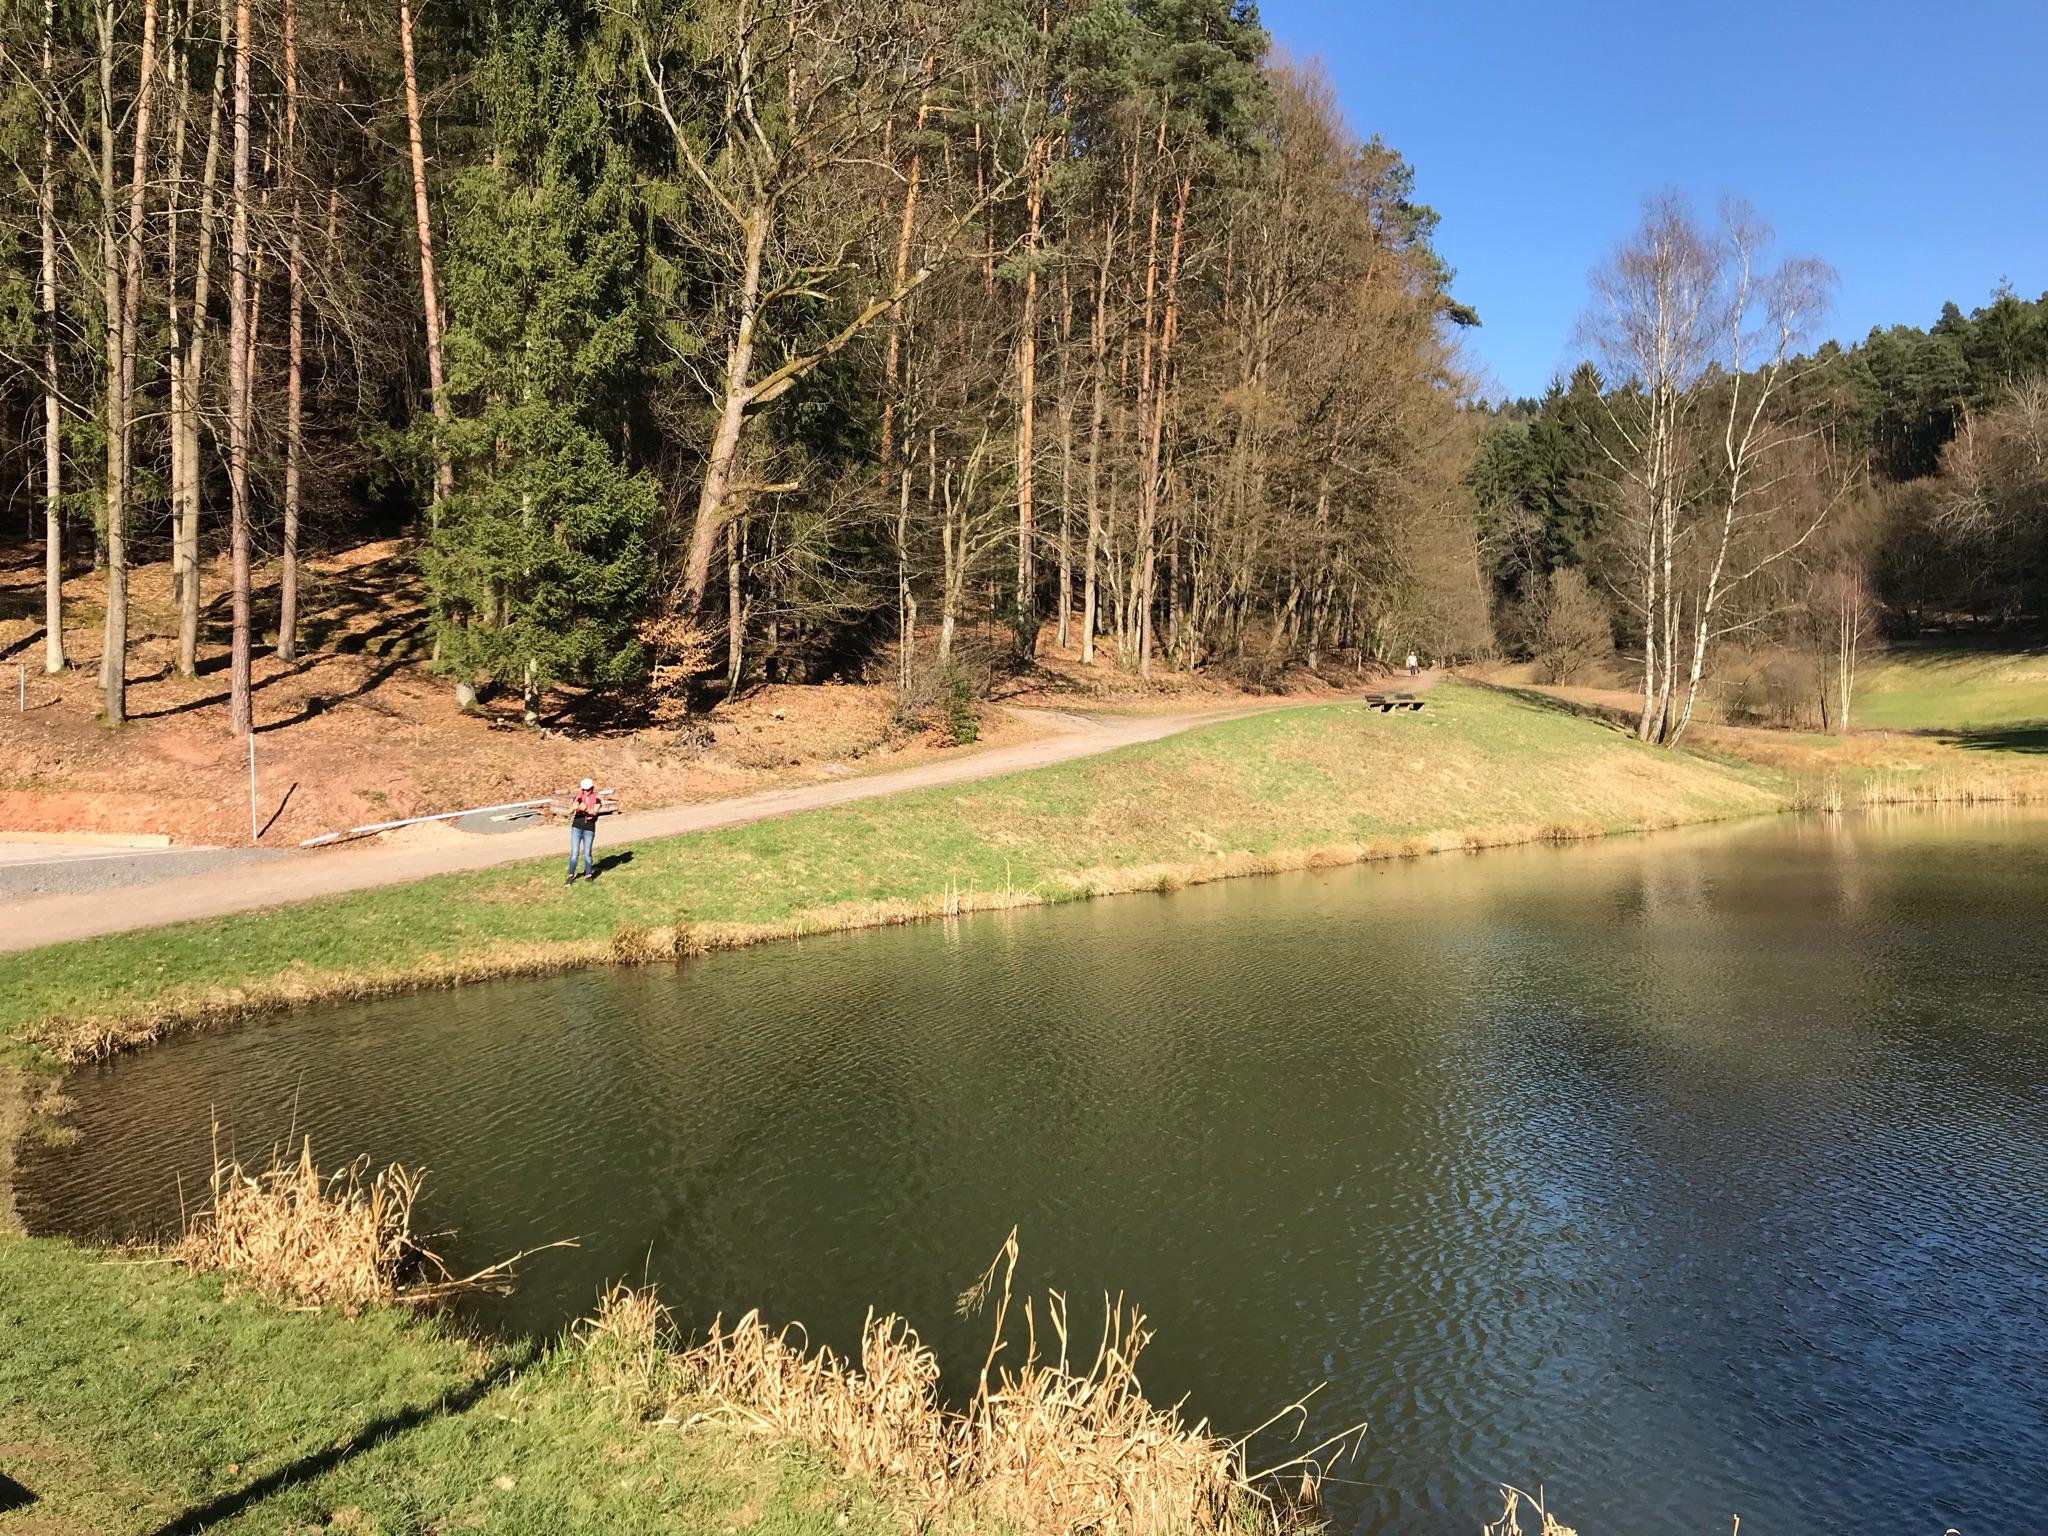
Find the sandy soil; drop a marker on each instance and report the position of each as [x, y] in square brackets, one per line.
[358, 730]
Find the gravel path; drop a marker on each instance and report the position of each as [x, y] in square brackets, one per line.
[62, 914]
[30, 870]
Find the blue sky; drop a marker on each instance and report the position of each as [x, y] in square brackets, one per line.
[1902, 143]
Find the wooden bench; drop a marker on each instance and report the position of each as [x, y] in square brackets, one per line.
[1387, 703]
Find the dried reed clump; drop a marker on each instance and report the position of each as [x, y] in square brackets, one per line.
[632, 945]
[1046, 1448]
[1946, 788]
[342, 1239]
[1823, 795]
[1546, 1524]
[628, 1349]
[879, 1417]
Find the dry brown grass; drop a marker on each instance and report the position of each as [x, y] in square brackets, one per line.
[1051, 1447]
[1949, 787]
[1829, 792]
[343, 1239]
[313, 1239]
[1509, 1522]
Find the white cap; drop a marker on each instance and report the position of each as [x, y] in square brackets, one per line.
[589, 784]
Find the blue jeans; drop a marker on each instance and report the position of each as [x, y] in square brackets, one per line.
[581, 841]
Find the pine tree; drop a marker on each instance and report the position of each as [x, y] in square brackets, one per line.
[541, 560]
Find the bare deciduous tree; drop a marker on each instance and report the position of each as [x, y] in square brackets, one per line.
[793, 96]
[1705, 457]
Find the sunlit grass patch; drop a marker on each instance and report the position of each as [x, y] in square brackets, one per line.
[185, 1403]
[1954, 687]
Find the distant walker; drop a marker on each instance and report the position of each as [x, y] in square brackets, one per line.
[1414, 666]
[585, 807]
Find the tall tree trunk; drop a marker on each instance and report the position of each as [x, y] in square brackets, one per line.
[53, 410]
[1066, 415]
[1098, 383]
[1133, 626]
[1658, 451]
[892, 357]
[735, 615]
[240, 704]
[260, 221]
[430, 303]
[178, 73]
[715, 494]
[953, 569]
[288, 579]
[1144, 573]
[1027, 410]
[1851, 635]
[906, 600]
[1320, 584]
[121, 386]
[1668, 641]
[187, 492]
[110, 304]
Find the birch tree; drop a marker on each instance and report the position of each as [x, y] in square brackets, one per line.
[1653, 324]
[1702, 340]
[1763, 454]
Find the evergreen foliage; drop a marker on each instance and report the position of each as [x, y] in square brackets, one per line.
[540, 561]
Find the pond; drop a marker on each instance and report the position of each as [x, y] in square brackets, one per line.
[1689, 1176]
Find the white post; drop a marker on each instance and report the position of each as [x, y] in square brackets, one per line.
[253, 834]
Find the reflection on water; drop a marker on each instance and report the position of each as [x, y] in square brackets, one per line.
[1689, 1176]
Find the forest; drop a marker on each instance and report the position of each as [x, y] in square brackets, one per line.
[702, 342]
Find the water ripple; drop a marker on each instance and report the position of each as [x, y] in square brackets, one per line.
[1691, 1176]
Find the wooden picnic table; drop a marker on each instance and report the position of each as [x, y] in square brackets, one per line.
[1387, 703]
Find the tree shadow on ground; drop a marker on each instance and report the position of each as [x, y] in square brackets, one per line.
[2027, 736]
[227, 1506]
[33, 637]
[1535, 698]
[216, 700]
[598, 711]
[1033, 680]
[320, 703]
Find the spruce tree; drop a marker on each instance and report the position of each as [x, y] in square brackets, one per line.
[541, 561]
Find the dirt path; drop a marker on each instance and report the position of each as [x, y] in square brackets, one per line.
[30, 922]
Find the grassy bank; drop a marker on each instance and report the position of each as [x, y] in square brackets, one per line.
[320, 1407]
[136, 1398]
[1978, 692]
[1322, 785]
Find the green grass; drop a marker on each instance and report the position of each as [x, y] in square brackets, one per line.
[1957, 687]
[135, 1398]
[1479, 764]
